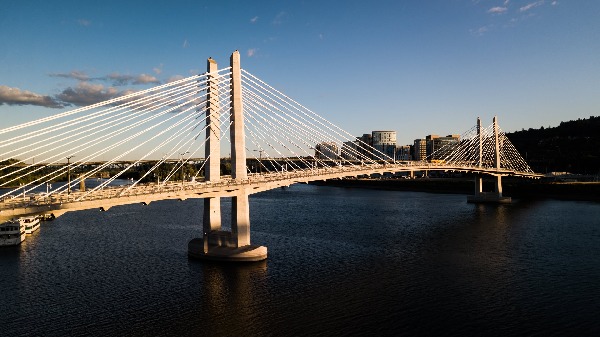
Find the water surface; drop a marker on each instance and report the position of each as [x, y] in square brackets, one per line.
[341, 262]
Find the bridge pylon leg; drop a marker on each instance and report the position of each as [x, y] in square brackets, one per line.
[211, 220]
[478, 184]
[498, 186]
[240, 220]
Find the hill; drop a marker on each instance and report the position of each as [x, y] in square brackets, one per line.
[573, 146]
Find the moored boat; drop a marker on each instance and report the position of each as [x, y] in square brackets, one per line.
[31, 223]
[46, 217]
[12, 233]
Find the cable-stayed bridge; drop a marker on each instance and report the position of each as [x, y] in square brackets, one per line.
[176, 130]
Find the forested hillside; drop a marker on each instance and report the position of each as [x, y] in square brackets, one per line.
[573, 146]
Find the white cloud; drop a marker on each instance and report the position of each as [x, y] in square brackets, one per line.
[531, 5]
[16, 96]
[158, 70]
[84, 22]
[506, 2]
[174, 78]
[145, 79]
[254, 19]
[497, 10]
[321, 36]
[251, 52]
[185, 43]
[85, 94]
[554, 3]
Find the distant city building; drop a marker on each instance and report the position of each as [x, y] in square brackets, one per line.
[327, 150]
[420, 149]
[364, 145]
[403, 153]
[384, 144]
[430, 144]
[350, 151]
[438, 148]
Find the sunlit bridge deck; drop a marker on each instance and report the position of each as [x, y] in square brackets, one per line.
[110, 196]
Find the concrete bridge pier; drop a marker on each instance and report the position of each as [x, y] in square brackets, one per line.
[217, 244]
[231, 246]
[490, 196]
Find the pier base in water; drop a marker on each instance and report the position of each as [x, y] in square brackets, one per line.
[488, 197]
[246, 253]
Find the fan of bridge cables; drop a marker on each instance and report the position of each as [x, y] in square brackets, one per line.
[157, 125]
[153, 134]
[287, 135]
[466, 151]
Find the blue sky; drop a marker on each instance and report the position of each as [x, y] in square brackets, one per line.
[417, 67]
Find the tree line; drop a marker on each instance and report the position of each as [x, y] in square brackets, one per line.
[572, 146]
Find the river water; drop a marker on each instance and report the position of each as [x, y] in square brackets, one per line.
[341, 262]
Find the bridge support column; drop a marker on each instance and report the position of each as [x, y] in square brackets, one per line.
[478, 185]
[498, 186]
[494, 197]
[218, 244]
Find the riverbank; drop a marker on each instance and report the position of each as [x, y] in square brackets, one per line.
[516, 188]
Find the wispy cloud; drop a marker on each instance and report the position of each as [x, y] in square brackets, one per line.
[16, 96]
[84, 22]
[531, 5]
[497, 10]
[120, 79]
[554, 3]
[158, 70]
[321, 36]
[185, 43]
[115, 78]
[279, 18]
[254, 19]
[480, 31]
[251, 52]
[75, 74]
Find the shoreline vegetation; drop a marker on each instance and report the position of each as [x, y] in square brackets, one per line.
[515, 188]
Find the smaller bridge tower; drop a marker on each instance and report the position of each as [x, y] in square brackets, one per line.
[496, 195]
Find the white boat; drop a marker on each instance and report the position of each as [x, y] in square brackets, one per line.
[12, 233]
[31, 223]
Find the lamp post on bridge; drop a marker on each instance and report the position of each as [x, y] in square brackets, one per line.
[182, 154]
[69, 174]
[260, 152]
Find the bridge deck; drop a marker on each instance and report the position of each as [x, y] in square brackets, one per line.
[226, 187]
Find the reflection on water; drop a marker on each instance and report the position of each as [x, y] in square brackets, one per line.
[341, 262]
[232, 291]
